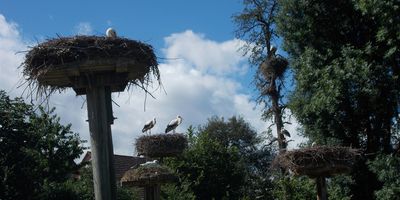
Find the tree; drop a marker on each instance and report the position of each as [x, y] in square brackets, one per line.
[224, 160]
[83, 187]
[257, 157]
[235, 132]
[387, 167]
[212, 170]
[293, 188]
[35, 150]
[345, 57]
[256, 25]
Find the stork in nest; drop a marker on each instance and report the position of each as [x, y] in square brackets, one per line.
[173, 124]
[149, 125]
[110, 33]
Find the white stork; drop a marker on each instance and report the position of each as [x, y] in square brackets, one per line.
[149, 125]
[111, 33]
[173, 124]
[314, 144]
[150, 163]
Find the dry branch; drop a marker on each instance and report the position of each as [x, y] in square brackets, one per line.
[56, 63]
[161, 145]
[274, 66]
[147, 176]
[321, 161]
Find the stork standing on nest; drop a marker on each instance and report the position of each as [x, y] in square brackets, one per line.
[149, 125]
[111, 33]
[173, 124]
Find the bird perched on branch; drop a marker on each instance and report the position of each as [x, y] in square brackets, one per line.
[111, 33]
[285, 132]
[173, 124]
[273, 50]
[149, 125]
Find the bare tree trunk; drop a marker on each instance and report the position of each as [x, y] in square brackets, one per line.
[274, 94]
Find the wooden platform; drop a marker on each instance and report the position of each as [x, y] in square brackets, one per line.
[82, 75]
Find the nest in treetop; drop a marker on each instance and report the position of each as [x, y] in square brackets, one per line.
[321, 161]
[147, 176]
[274, 66]
[161, 145]
[70, 61]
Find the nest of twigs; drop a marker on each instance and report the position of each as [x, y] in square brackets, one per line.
[319, 161]
[51, 65]
[147, 176]
[274, 66]
[161, 145]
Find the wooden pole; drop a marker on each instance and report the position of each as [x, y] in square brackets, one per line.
[322, 193]
[100, 120]
[152, 192]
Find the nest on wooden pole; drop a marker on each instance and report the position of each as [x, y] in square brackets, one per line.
[320, 161]
[145, 176]
[65, 62]
[274, 66]
[161, 145]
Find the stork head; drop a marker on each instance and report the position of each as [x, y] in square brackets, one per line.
[154, 119]
[111, 33]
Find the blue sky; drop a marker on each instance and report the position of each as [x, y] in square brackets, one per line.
[209, 77]
[143, 20]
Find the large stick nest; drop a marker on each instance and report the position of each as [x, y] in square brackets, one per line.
[69, 52]
[147, 176]
[161, 145]
[321, 161]
[274, 66]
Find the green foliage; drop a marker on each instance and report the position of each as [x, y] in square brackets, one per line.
[235, 132]
[339, 187]
[293, 188]
[223, 161]
[83, 187]
[347, 87]
[345, 57]
[175, 192]
[212, 170]
[36, 151]
[387, 167]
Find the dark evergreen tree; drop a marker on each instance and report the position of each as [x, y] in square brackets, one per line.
[346, 62]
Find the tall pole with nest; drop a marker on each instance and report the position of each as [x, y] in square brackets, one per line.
[93, 66]
[152, 175]
[318, 163]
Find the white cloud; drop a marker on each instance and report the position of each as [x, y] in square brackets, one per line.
[193, 90]
[11, 45]
[199, 84]
[204, 54]
[83, 28]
